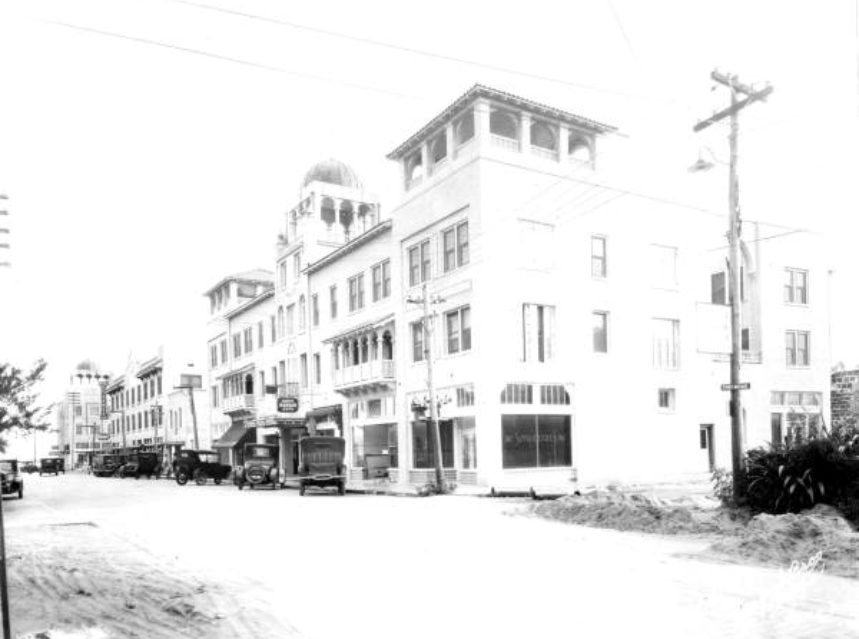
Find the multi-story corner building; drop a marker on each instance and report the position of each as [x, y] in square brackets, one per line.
[150, 409]
[226, 345]
[579, 341]
[80, 415]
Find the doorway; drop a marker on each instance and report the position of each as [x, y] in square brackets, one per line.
[705, 435]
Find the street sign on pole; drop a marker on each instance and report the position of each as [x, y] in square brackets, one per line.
[740, 386]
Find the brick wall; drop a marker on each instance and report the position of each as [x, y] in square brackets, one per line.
[844, 396]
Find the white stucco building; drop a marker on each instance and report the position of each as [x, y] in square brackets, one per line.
[79, 415]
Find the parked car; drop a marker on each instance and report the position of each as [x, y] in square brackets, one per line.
[260, 466]
[11, 478]
[199, 465]
[139, 464]
[51, 466]
[106, 465]
[320, 463]
[29, 467]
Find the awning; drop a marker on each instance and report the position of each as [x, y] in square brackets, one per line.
[236, 435]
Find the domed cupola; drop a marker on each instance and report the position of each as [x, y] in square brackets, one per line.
[333, 172]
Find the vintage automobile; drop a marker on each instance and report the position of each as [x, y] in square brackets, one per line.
[140, 464]
[29, 467]
[11, 479]
[320, 463]
[106, 465]
[199, 465]
[51, 466]
[260, 466]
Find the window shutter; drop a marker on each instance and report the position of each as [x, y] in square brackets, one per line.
[529, 330]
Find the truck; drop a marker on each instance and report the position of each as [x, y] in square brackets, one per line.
[321, 463]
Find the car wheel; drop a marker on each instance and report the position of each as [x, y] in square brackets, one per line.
[240, 484]
[217, 481]
[20, 492]
[341, 488]
[200, 477]
[182, 476]
[301, 490]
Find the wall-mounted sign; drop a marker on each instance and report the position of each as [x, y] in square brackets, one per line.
[287, 405]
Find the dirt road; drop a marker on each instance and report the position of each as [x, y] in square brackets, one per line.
[150, 558]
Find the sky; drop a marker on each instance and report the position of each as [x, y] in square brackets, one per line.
[149, 148]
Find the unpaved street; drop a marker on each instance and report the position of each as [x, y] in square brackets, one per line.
[152, 559]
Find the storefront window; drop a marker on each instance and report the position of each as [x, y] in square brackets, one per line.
[424, 449]
[376, 439]
[532, 441]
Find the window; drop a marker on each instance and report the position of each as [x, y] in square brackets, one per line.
[666, 398]
[777, 437]
[417, 341]
[280, 321]
[333, 300]
[665, 334]
[538, 332]
[598, 256]
[356, 292]
[424, 448]
[795, 286]
[213, 355]
[262, 383]
[281, 274]
[744, 339]
[419, 263]
[517, 394]
[458, 325]
[718, 288]
[438, 148]
[296, 266]
[382, 280]
[664, 266]
[455, 246]
[302, 313]
[214, 396]
[554, 394]
[374, 408]
[465, 396]
[237, 345]
[317, 367]
[281, 372]
[600, 319]
[290, 319]
[249, 339]
[273, 329]
[260, 332]
[314, 308]
[534, 441]
[797, 348]
[303, 370]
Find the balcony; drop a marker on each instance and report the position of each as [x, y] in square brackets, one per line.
[239, 404]
[375, 374]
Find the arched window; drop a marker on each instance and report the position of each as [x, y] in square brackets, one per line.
[279, 322]
[503, 123]
[365, 217]
[302, 313]
[249, 384]
[329, 215]
[347, 214]
[543, 136]
[387, 346]
[579, 149]
[365, 349]
[463, 129]
[438, 148]
[414, 167]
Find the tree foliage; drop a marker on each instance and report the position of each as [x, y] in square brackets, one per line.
[17, 400]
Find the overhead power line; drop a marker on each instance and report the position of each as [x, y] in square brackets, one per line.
[423, 52]
[225, 58]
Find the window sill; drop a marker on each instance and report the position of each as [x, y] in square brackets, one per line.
[797, 304]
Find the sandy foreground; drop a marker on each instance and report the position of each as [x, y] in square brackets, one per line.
[73, 580]
[105, 558]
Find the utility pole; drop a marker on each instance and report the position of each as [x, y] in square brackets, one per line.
[433, 407]
[735, 263]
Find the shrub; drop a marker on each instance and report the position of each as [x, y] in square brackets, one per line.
[723, 486]
[782, 480]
